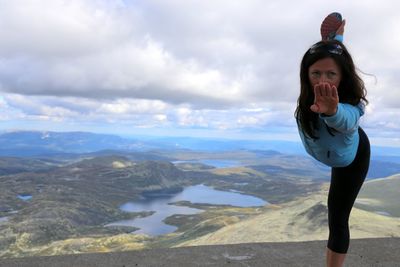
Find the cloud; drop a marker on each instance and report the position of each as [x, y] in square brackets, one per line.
[105, 51]
[208, 64]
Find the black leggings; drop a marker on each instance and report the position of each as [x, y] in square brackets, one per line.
[345, 185]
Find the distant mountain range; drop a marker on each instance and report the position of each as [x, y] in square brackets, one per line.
[32, 143]
[36, 142]
[385, 160]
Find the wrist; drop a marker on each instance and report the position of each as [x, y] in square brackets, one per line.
[329, 114]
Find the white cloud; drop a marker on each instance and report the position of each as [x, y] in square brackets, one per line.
[208, 64]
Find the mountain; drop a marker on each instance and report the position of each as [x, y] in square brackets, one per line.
[12, 165]
[67, 146]
[76, 199]
[208, 144]
[27, 143]
[381, 196]
[66, 206]
[32, 143]
[300, 220]
[63, 208]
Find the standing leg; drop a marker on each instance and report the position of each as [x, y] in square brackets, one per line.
[334, 259]
[345, 184]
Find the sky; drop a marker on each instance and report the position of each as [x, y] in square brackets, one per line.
[220, 68]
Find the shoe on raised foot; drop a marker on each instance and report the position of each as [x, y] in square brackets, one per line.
[330, 25]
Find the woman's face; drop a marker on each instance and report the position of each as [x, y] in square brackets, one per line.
[325, 71]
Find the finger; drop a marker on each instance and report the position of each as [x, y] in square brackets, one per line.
[317, 92]
[325, 89]
[315, 108]
[328, 89]
[322, 89]
[334, 92]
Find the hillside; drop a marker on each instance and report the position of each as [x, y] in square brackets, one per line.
[381, 196]
[55, 206]
[299, 220]
[75, 200]
[63, 208]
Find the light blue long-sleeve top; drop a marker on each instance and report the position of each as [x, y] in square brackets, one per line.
[340, 149]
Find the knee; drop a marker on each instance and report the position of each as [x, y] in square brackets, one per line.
[338, 220]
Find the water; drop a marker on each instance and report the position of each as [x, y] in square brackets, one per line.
[25, 197]
[153, 225]
[208, 195]
[217, 163]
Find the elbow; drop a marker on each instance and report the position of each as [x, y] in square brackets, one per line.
[347, 128]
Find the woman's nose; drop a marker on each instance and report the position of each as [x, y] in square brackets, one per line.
[323, 78]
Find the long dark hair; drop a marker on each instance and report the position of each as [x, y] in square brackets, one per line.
[351, 88]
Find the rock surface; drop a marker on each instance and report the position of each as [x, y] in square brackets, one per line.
[363, 252]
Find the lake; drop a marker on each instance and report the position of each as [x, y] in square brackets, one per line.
[25, 197]
[161, 205]
[217, 163]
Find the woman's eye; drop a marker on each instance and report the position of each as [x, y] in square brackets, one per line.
[315, 73]
[331, 74]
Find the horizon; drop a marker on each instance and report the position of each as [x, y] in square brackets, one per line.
[140, 137]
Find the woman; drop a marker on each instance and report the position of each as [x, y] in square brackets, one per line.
[331, 102]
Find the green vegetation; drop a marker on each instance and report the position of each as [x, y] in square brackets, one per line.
[73, 200]
[381, 196]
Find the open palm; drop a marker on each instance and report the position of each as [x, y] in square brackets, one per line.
[325, 99]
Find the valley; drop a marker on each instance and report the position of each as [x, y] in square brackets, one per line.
[76, 200]
[67, 201]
